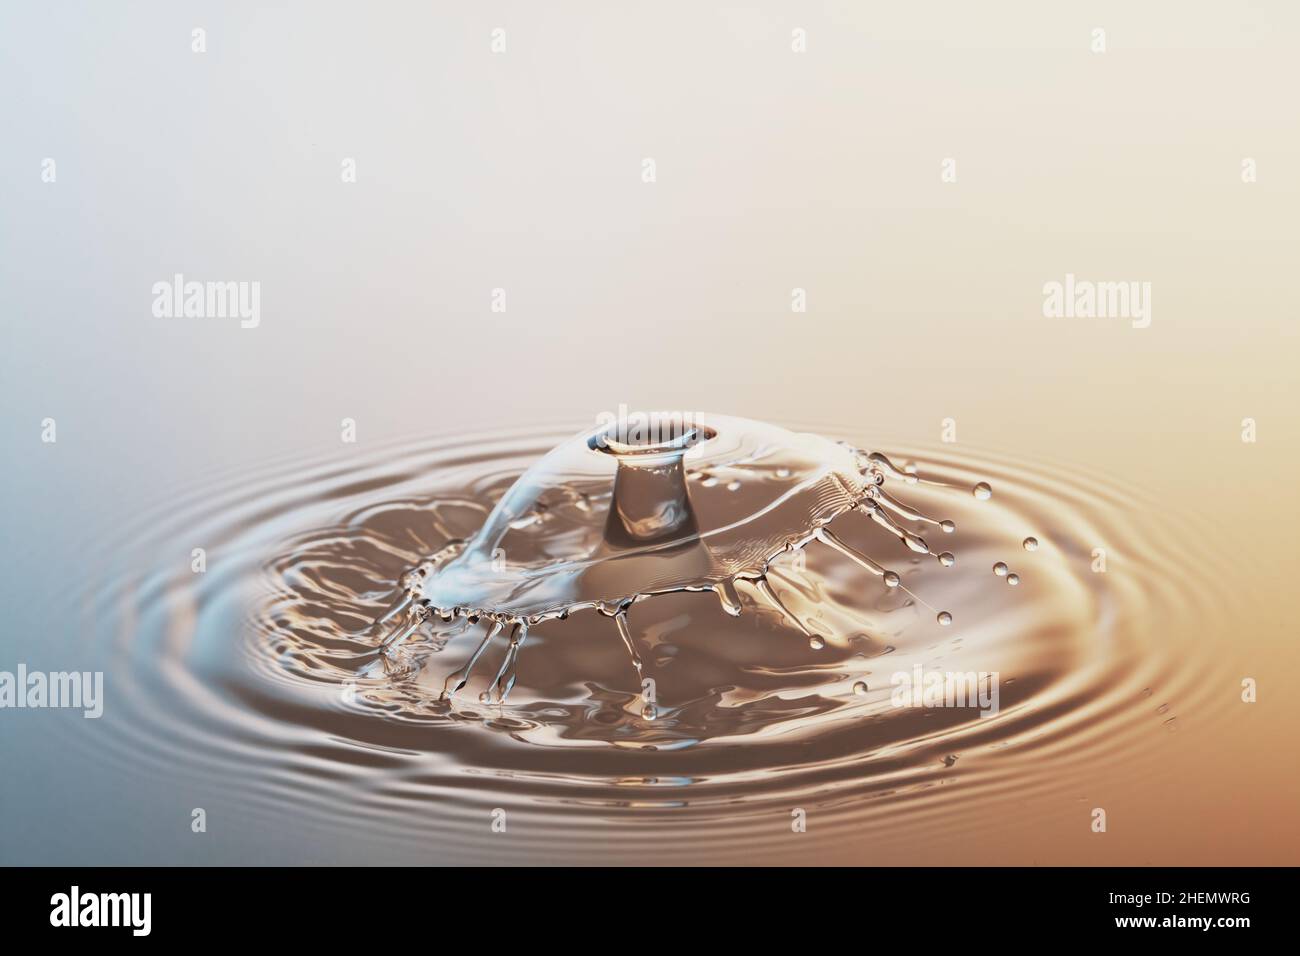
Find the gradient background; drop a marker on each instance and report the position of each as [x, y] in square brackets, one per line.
[775, 170]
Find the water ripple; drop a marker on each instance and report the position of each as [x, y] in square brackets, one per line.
[250, 679]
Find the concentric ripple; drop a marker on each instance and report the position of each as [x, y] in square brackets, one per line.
[256, 679]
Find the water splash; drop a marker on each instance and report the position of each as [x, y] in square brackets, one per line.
[259, 683]
[605, 521]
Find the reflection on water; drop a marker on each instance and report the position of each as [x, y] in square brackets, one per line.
[261, 678]
[734, 514]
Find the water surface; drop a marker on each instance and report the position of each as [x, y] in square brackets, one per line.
[254, 689]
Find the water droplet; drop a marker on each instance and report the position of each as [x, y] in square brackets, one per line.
[733, 486]
[1000, 569]
[1030, 543]
[747, 514]
[1013, 579]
